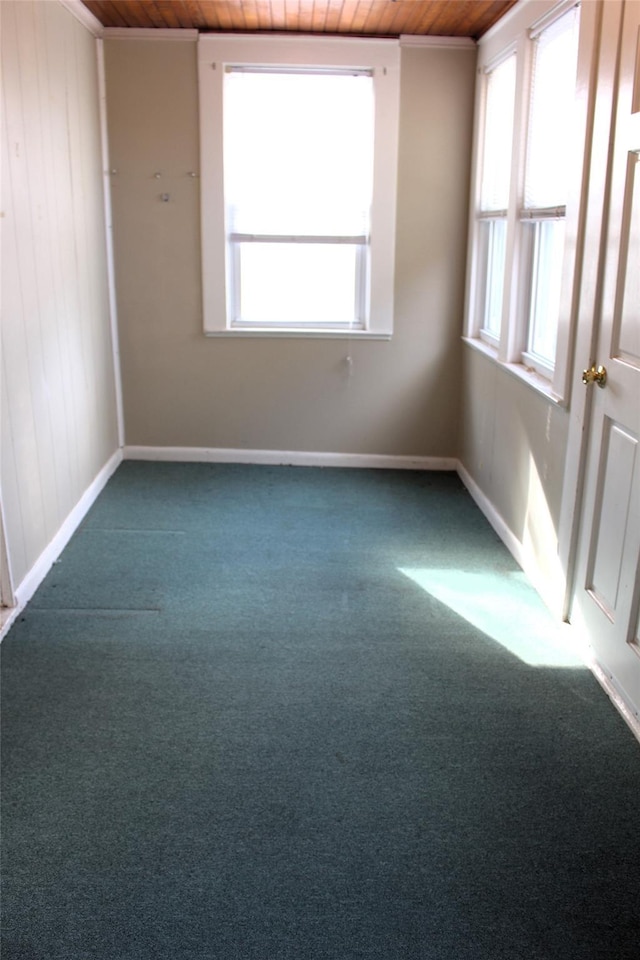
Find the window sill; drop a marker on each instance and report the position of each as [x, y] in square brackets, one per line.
[518, 370]
[299, 334]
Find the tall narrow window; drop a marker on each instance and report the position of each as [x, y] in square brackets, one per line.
[494, 194]
[299, 167]
[534, 96]
[298, 176]
[548, 158]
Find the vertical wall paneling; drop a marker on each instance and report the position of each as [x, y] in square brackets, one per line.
[59, 416]
[20, 484]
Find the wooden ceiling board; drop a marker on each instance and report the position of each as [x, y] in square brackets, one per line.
[381, 18]
[362, 10]
[223, 14]
[418, 15]
[388, 18]
[346, 17]
[172, 13]
[278, 19]
[334, 11]
[443, 19]
[195, 19]
[471, 18]
[108, 15]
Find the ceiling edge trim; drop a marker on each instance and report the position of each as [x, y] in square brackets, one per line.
[149, 33]
[449, 43]
[78, 10]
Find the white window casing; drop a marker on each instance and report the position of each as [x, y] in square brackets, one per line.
[544, 219]
[222, 242]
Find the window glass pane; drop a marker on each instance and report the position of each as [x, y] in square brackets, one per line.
[297, 284]
[493, 236]
[498, 136]
[546, 287]
[549, 143]
[298, 153]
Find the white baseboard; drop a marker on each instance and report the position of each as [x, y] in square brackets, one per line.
[553, 600]
[294, 458]
[24, 592]
[627, 710]
[509, 539]
[550, 593]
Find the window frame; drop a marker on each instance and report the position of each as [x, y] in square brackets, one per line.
[517, 32]
[382, 58]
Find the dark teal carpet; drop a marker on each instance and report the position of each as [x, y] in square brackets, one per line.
[234, 729]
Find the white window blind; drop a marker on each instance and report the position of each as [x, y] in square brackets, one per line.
[552, 93]
[498, 136]
[298, 152]
[549, 160]
[497, 143]
[298, 172]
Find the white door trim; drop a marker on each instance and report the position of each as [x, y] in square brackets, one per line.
[591, 278]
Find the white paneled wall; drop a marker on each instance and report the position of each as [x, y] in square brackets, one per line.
[59, 421]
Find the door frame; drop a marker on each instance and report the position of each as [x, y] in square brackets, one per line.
[589, 280]
[589, 290]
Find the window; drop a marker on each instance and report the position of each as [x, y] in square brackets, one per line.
[547, 172]
[494, 193]
[299, 157]
[526, 162]
[298, 175]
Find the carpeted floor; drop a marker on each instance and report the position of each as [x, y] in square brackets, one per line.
[263, 713]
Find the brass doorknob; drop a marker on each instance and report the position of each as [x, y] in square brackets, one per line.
[595, 375]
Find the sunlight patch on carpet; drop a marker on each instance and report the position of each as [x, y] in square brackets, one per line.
[504, 607]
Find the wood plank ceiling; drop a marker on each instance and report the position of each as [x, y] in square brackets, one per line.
[386, 18]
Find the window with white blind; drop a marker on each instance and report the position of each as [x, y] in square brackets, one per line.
[298, 174]
[547, 172]
[299, 155]
[527, 163]
[494, 193]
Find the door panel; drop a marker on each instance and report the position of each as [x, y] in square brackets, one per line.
[607, 589]
[610, 519]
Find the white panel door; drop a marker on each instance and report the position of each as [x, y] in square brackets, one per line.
[607, 591]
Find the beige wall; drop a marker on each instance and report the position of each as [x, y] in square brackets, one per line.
[513, 445]
[59, 423]
[181, 389]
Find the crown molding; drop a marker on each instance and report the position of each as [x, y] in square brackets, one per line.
[78, 10]
[149, 33]
[446, 43]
